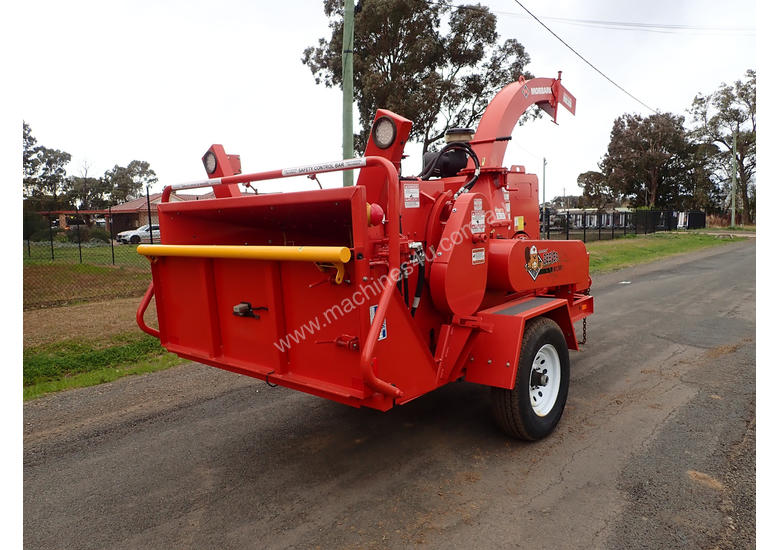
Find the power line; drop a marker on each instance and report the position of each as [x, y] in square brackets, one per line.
[538, 157]
[710, 31]
[614, 25]
[592, 66]
[653, 26]
[618, 25]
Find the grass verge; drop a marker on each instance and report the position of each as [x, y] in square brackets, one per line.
[730, 229]
[632, 250]
[56, 284]
[99, 254]
[76, 363]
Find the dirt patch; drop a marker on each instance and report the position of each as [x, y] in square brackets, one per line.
[706, 480]
[98, 321]
[720, 351]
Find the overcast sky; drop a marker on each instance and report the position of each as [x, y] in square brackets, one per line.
[161, 81]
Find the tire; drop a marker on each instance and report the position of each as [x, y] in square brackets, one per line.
[529, 411]
[135, 239]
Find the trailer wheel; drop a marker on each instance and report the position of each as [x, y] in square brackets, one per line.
[532, 409]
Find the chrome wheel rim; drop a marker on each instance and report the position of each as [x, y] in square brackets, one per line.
[544, 380]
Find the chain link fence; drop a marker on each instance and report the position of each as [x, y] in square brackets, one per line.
[75, 257]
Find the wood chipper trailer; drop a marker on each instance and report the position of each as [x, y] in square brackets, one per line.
[376, 294]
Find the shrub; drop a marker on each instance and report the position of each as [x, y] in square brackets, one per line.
[42, 235]
[99, 234]
[34, 223]
[78, 233]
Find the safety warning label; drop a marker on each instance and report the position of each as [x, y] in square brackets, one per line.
[412, 195]
[478, 256]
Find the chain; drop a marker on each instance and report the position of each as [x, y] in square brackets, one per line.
[584, 331]
[585, 323]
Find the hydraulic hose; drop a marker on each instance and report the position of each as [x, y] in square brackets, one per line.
[420, 282]
[455, 146]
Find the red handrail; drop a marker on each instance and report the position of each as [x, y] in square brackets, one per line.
[367, 358]
[139, 314]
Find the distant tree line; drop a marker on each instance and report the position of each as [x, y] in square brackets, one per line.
[48, 186]
[657, 162]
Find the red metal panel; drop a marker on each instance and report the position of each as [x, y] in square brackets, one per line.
[494, 355]
[527, 265]
[176, 282]
[316, 314]
[524, 197]
[581, 308]
[242, 336]
[492, 359]
[459, 271]
[403, 358]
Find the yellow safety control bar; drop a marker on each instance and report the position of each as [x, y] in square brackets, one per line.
[337, 255]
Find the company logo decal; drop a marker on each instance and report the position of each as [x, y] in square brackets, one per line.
[539, 262]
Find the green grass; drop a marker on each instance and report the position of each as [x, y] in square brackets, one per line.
[633, 250]
[41, 253]
[59, 283]
[78, 363]
[733, 228]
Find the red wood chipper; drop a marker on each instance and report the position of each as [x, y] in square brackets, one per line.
[375, 294]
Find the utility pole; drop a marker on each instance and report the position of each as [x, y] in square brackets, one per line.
[348, 137]
[544, 170]
[544, 193]
[733, 179]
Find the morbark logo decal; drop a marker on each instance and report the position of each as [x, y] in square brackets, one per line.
[538, 263]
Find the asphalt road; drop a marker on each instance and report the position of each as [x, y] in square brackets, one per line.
[656, 448]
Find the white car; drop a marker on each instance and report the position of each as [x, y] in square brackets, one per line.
[140, 235]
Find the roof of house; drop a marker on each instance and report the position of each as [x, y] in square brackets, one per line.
[135, 205]
[139, 204]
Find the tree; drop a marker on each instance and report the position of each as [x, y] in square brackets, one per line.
[89, 193]
[567, 201]
[703, 190]
[718, 118]
[647, 159]
[44, 177]
[30, 160]
[403, 62]
[595, 190]
[47, 189]
[127, 182]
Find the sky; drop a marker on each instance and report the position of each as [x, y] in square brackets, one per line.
[162, 81]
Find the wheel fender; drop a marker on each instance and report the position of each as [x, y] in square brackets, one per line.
[493, 356]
